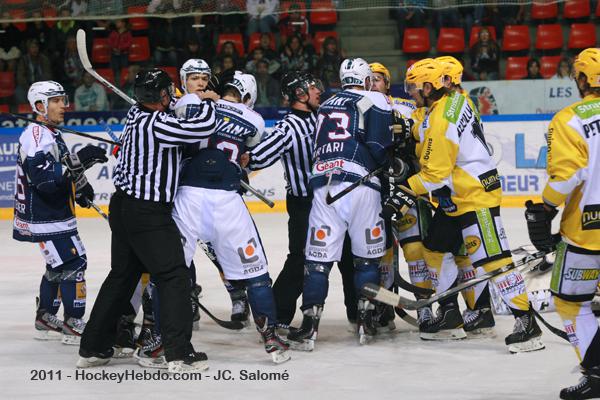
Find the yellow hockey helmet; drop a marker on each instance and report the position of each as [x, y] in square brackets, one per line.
[588, 63]
[381, 69]
[452, 67]
[425, 70]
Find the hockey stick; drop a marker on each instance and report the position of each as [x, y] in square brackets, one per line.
[98, 210]
[558, 332]
[330, 199]
[257, 194]
[385, 296]
[87, 65]
[61, 128]
[233, 325]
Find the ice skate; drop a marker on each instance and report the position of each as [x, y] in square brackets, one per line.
[587, 388]
[365, 326]
[72, 330]
[150, 352]
[276, 346]
[447, 325]
[240, 311]
[526, 335]
[384, 317]
[303, 338]
[195, 295]
[479, 323]
[125, 339]
[88, 359]
[193, 362]
[47, 326]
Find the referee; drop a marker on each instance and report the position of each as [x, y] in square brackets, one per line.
[144, 235]
[292, 141]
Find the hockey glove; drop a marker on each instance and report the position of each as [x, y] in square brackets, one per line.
[84, 159]
[402, 128]
[399, 172]
[539, 225]
[84, 192]
[398, 204]
[243, 178]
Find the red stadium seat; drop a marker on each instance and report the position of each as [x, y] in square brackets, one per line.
[7, 84]
[172, 72]
[475, 33]
[140, 49]
[24, 108]
[582, 36]
[107, 73]
[254, 41]
[451, 40]
[575, 9]
[416, 40]
[598, 10]
[320, 38]
[237, 40]
[16, 14]
[548, 37]
[548, 65]
[541, 11]
[4, 108]
[326, 14]
[138, 23]
[516, 38]
[49, 13]
[100, 51]
[516, 67]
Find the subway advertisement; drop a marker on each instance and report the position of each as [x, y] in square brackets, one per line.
[518, 144]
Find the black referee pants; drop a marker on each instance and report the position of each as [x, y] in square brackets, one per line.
[289, 284]
[144, 239]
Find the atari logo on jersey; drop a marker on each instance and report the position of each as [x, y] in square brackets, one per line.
[248, 254]
[490, 180]
[590, 218]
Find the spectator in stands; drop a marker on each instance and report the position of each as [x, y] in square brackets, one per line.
[162, 6]
[164, 38]
[39, 31]
[485, 56]
[193, 49]
[533, 69]
[409, 14]
[72, 69]
[294, 57]
[258, 55]
[58, 35]
[296, 23]
[228, 19]
[79, 8]
[105, 7]
[228, 50]
[31, 67]
[267, 86]
[90, 95]
[261, 15]
[447, 17]
[127, 87]
[194, 31]
[227, 63]
[119, 40]
[10, 40]
[328, 65]
[564, 69]
[265, 45]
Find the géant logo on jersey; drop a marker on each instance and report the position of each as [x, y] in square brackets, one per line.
[472, 243]
[590, 218]
[332, 166]
[581, 274]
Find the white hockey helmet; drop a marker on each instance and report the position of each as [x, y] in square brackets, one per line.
[354, 72]
[245, 85]
[193, 66]
[44, 90]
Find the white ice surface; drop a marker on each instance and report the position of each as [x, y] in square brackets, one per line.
[396, 366]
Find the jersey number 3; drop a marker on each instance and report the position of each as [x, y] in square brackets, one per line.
[341, 120]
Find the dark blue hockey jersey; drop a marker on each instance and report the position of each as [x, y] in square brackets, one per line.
[215, 163]
[44, 198]
[354, 131]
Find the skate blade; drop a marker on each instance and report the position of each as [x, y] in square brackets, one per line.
[445, 334]
[47, 335]
[90, 362]
[364, 339]
[525, 347]
[305, 345]
[178, 367]
[71, 340]
[481, 333]
[196, 326]
[149, 362]
[123, 352]
[280, 356]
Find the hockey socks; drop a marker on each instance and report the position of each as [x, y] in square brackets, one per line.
[72, 287]
[260, 297]
[49, 285]
[316, 283]
[366, 270]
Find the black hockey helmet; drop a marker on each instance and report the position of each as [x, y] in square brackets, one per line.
[295, 82]
[149, 84]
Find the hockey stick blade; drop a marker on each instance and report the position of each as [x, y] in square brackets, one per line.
[409, 287]
[233, 325]
[409, 319]
[378, 293]
[87, 65]
[329, 199]
[558, 332]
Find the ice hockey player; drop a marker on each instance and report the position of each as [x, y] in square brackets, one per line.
[409, 230]
[49, 180]
[354, 133]
[573, 174]
[208, 207]
[291, 140]
[456, 165]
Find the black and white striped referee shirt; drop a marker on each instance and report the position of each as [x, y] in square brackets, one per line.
[291, 140]
[150, 155]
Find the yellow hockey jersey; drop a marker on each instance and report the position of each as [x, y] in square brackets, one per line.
[454, 154]
[574, 171]
[404, 106]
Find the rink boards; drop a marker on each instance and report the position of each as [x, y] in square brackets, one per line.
[517, 142]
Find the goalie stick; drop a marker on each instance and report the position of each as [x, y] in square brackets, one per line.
[385, 296]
